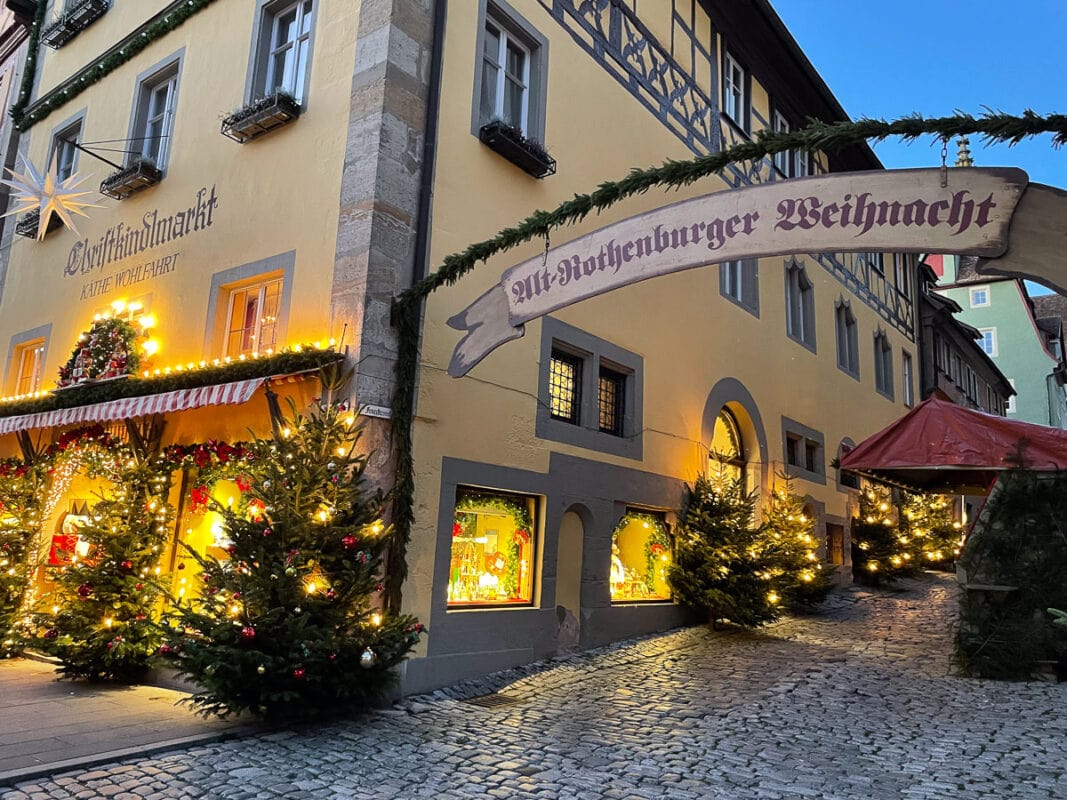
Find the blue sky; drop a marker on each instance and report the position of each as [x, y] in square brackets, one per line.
[889, 59]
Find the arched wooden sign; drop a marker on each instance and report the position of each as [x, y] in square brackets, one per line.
[892, 211]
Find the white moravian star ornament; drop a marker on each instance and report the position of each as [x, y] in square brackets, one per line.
[49, 194]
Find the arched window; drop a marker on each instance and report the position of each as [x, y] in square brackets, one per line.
[727, 449]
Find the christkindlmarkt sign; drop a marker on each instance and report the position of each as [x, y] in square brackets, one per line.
[893, 211]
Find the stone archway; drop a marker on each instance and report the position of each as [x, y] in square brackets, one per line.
[731, 405]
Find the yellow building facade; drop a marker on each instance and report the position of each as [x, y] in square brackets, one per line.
[548, 481]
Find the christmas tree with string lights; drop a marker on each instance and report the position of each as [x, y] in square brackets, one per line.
[791, 549]
[720, 562]
[21, 487]
[98, 621]
[881, 552]
[287, 627]
[935, 538]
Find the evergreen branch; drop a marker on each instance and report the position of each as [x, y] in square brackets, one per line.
[992, 126]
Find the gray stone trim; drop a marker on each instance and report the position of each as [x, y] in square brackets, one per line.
[283, 263]
[749, 300]
[379, 203]
[881, 336]
[516, 24]
[466, 643]
[260, 46]
[843, 302]
[40, 332]
[732, 394]
[807, 435]
[842, 487]
[62, 128]
[807, 340]
[143, 83]
[592, 350]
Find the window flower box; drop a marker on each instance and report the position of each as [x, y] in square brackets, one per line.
[526, 154]
[28, 223]
[260, 117]
[139, 174]
[76, 17]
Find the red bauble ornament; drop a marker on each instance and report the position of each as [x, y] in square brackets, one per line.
[165, 649]
[332, 656]
[127, 565]
[457, 529]
[349, 542]
[85, 590]
[248, 633]
[299, 673]
[51, 633]
[139, 586]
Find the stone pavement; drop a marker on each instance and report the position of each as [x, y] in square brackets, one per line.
[858, 702]
[62, 723]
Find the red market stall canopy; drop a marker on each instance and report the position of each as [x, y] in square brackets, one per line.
[941, 447]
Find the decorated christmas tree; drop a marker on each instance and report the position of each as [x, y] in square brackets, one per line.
[287, 626]
[21, 487]
[720, 566]
[880, 551]
[791, 549]
[98, 621]
[934, 538]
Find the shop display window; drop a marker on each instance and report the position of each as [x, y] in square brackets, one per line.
[492, 549]
[640, 557]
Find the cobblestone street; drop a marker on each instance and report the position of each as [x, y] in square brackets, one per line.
[858, 702]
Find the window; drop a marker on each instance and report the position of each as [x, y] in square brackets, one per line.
[727, 450]
[565, 386]
[907, 377]
[804, 450]
[902, 273]
[64, 153]
[848, 356]
[282, 53]
[846, 479]
[590, 391]
[801, 163]
[883, 364]
[800, 305]
[493, 541]
[734, 101]
[979, 296]
[252, 319]
[782, 160]
[640, 556]
[154, 116]
[739, 282]
[988, 342]
[611, 402]
[510, 75]
[29, 366]
[877, 262]
[1011, 400]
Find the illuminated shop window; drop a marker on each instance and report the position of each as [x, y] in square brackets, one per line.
[564, 386]
[640, 556]
[492, 549]
[726, 447]
[252, 321]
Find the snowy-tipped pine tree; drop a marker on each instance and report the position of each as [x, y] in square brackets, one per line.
[287, 627]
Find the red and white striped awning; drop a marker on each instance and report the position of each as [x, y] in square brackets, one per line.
[129, 407]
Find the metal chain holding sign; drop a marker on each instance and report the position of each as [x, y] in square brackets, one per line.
[944, 162]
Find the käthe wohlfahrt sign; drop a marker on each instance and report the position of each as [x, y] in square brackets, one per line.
[894, 211]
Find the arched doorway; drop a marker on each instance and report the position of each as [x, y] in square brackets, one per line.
[569, 580]
[727, 447]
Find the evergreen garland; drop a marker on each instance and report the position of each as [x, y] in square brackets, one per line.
[992, 126]
[29, 70]
[282, 363]
[164, 22]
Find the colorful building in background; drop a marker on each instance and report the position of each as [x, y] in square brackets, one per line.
[267, 176]
[1027, 352]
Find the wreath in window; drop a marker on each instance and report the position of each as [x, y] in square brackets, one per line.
[512, 555]
[657, 543]
[107, 350]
